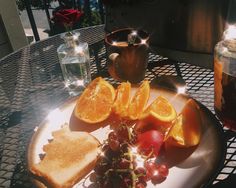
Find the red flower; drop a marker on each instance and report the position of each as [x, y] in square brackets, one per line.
[65, 17]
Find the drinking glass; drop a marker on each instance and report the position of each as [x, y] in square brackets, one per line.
[225, 79]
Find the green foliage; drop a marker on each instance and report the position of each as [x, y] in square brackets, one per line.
[37, 4]
[95, 19]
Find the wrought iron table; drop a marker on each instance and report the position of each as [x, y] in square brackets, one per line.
[31, 85]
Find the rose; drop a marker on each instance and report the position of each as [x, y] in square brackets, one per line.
[66, 17]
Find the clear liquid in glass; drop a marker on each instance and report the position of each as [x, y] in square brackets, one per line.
[76, 74]
[75, 64]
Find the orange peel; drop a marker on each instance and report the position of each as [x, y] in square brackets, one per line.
[186, 131]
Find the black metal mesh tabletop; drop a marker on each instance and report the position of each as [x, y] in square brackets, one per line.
[31, 85]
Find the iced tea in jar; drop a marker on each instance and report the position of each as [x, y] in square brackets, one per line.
[225, 79]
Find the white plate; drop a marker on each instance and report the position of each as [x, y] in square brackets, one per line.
[195, 167]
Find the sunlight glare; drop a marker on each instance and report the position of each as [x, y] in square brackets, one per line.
[78, 49]
[134, 150]
[143, 41]
[181, 90]
[138, 158]
[55, 117]
[230, 32]
[114, 43]
[134, 32]
[139, 161]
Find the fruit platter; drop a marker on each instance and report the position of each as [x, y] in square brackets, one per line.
[127, 136]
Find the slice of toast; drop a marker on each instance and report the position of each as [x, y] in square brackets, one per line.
[69, 157]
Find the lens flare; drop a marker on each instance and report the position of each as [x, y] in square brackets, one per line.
[114, 43]
[134, 32]
[143, 41]
[138, 159]
[230, 32]
[181, 90]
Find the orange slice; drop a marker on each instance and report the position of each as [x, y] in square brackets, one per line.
[160, 114]
[95, 103]
[139, 101]
[122, 100]
[186, 132]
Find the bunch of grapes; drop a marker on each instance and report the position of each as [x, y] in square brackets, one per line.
[117, 166]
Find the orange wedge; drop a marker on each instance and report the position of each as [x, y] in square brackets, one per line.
[120, 106]
[139, 101]
[186, 132]
[95, 103]
[160, 115]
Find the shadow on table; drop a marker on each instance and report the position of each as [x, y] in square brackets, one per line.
[230, 134]
[229, 182]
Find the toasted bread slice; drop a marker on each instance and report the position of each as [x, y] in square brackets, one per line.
[69, 157]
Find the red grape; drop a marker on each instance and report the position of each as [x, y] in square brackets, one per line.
[124, 164]
[140, 170]
[150, 167]
[112, 135]
[116, 166]
[124, 147]
[156, 172]
[140, 185]
[123, 133]
[142, 174]
[108, 154]
[101, 168]
[163, 170]
[113, 141]
[107, 184]
[114, 144]
[93, 177]
[126, 182]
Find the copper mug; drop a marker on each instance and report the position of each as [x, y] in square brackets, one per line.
[127, 51]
